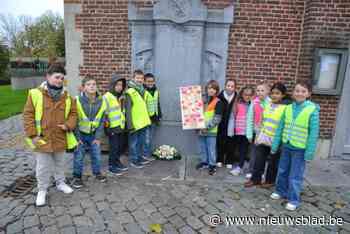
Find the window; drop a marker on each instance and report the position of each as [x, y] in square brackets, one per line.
[329, 70]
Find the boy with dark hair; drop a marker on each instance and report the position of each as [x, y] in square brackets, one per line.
[115, 127]
[49, 118]
[153, 107]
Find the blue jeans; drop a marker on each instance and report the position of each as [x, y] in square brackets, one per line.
[208, 149]
[136, 142]
[79, 154]
[147, 148]
[290, 174]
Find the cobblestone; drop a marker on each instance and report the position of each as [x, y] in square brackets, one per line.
[130, 204]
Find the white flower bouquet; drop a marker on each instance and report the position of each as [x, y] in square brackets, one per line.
[166, 152]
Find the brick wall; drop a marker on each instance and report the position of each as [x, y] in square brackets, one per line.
[327, 25]
[270, 40]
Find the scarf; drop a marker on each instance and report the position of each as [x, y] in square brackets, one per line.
[54, 92]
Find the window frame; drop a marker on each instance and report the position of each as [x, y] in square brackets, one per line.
[340, 73]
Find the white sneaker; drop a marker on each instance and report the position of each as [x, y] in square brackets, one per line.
[291, 207]
[41, 198]
[248, 176]
[229, 166]
[236, 171]
[63, 187]
[219, 164]
[275, 196]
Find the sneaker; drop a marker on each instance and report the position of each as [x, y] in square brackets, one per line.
[101, 178]
[212, 170]
[121, 166]
[248, 176]
[219, 164]
[150, 159]
[275, 196]
[251, 183]
[291, 207]
[41, 198]
[77, 183]
[136, 165]
[201, 166]
[236, 171]
[143, 161]
[63, 187]
[116, 171]
[229, 166]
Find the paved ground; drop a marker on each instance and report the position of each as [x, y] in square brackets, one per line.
[171, 194]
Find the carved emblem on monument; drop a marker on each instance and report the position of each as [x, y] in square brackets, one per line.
[181, 10]
[144, 60]
[213, 61]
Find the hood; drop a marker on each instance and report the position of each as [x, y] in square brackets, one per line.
[114, 80]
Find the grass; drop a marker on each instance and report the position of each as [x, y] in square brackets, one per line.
[11, 101]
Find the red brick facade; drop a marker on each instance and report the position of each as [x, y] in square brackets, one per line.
[269, 40]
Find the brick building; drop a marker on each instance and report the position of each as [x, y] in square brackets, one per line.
[274, 40]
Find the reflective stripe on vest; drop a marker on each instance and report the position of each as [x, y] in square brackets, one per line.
[85, 124]
[296, 131]
[152, 102]
[271, 119]
[139, 113]
[38, 103]
[116, 116]
[209, 114]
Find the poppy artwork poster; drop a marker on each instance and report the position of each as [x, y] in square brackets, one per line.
[192, 107]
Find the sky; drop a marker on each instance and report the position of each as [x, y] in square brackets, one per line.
[32, 8]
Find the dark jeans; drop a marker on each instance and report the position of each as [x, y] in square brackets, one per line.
[262, 157]
[243, 143]
[225, 149]
[116, 143]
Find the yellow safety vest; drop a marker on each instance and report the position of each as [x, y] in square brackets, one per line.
[85, 124]
[296, 131]
[139, 113]
[209, 114]
[38, 103]
[152, 102]
[271, 119]
[116, 116]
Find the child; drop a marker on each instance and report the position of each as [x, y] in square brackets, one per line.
[49, 117]
[271, 118]
[243, 126]
[258, 104]
[115, 123]
[207, 136]
[89, 131]
[137, 119]
[153, 106]
[299, 129]
[224, 139]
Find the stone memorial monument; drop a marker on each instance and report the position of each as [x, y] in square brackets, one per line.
[182, 43]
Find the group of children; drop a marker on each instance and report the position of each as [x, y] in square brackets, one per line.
[129, 109]
[261, 119]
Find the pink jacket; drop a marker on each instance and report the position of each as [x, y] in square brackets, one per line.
[241, 119]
